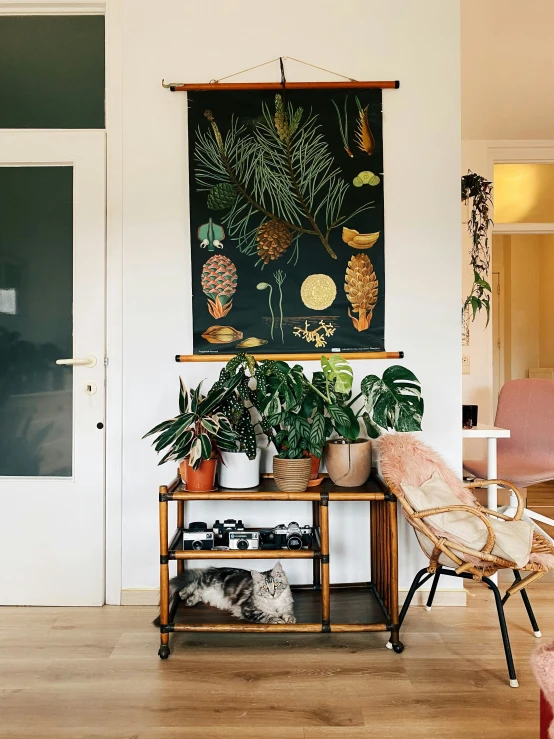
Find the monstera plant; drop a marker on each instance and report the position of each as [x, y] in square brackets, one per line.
[392, 402]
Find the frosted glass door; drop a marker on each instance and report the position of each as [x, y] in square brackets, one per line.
[36, 320]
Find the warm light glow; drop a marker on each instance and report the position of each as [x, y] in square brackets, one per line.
[524, 193]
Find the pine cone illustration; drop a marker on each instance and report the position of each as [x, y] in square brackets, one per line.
[222, 196]
[361, 288]
[273, 239]
[219, 282]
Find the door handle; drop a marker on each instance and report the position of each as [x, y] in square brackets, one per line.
[88, 361]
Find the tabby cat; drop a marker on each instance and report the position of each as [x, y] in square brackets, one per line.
[262, 597]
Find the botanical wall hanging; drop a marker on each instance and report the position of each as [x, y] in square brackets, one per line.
[286, 220]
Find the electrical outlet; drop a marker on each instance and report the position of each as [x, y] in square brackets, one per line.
[465, 364]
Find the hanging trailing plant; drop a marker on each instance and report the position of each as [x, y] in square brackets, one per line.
[479, 191]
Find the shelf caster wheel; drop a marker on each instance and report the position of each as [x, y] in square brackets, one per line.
[398, 648]
[163, 652]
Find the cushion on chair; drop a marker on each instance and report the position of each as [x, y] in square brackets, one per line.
[513, 539]
[514, 468]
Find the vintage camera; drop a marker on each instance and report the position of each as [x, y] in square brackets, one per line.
[197, 536]
[244, 539]
[267, 539]
[293, 536]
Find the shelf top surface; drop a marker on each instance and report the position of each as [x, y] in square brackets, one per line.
[268, 486]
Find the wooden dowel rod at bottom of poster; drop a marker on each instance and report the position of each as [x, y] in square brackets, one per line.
[305, 357]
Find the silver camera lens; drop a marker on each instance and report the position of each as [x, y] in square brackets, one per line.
[242, 544]
[197, 545]
[294, 541]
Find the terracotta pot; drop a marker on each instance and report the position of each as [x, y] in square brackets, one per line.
[292, 475]
[201, 480]
[348, 464]
[316, 461]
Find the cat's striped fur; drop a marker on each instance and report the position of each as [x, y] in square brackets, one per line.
[261, 597]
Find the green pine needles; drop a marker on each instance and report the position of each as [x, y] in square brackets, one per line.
[284, 177]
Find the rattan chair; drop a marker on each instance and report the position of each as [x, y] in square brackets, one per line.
[404, 459]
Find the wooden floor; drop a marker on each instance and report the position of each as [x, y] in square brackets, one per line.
[84, 673]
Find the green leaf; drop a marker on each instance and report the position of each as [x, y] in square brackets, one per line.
[206, 444]
[338, 372]
[475, 305]
[350, 430]
[183, 396]
[338, 414]
[373, 431]
[160, 427]
[317, 435]
[195, 455]
[302, 426]
[210, 425]
[393, 402]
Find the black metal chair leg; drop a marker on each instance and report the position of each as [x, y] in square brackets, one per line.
[433, 590]
[416, 583]
[504, 631]
[528, 608]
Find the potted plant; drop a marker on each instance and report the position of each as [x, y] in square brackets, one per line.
[392, 403]
[198, 435]
[239, 468]
[280, 392]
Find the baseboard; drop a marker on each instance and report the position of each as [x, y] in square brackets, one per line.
[453, 597]
[138, 597]
[151, 597]
[507, 576]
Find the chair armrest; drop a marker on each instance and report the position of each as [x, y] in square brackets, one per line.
[502, 484]
[487, 548]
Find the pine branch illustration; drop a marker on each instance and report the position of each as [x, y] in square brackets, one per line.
[282, 172]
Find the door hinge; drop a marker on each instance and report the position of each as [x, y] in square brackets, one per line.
[498, 289]
[105, 361]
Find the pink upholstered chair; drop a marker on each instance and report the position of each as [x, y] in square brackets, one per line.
[526, 407]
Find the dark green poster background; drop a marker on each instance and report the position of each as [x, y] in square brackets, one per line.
[287, 227]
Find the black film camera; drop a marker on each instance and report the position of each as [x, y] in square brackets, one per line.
[197, 536]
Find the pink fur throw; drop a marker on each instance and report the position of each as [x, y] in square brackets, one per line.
[406, 459]
[542, 662]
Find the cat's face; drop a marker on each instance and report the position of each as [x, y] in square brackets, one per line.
[270, 584]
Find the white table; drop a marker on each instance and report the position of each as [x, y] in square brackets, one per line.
[491, 434]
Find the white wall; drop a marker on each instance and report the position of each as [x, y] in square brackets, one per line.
[416, 42]
[507, 52]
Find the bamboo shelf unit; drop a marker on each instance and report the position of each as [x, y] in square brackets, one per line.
[320, 606]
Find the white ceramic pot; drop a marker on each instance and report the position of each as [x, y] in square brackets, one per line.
[239, 472]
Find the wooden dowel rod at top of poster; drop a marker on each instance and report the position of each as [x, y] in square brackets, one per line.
[202, 87]
[287, 357]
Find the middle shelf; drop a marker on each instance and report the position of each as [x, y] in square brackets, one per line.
[177, 552]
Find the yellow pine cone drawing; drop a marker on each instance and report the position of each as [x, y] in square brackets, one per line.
[361, 288]
[273, 239]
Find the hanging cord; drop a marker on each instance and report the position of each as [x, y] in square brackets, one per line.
[271, 61]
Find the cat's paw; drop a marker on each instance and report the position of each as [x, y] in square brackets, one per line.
[288, 618]
[276, 620]
[191, 600]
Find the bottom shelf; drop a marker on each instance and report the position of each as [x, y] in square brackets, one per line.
[353, 608]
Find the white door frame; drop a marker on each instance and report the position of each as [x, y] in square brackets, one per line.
[113, 11]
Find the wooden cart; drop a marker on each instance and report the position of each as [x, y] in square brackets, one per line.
[319, 607]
